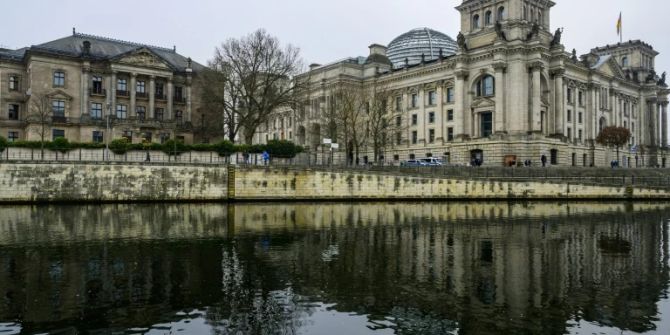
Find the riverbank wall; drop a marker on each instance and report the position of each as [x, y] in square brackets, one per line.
[67, 182]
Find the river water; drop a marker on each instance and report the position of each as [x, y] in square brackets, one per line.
[373, 268]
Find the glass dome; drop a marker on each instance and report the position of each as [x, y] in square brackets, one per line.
[417, 42]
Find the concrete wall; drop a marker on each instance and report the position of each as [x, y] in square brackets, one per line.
[139, 182]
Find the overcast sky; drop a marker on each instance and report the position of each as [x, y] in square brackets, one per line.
[324, 30]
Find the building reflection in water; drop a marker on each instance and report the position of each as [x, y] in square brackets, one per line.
[475, 268]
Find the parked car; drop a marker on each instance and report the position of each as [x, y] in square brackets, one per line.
[430, 161]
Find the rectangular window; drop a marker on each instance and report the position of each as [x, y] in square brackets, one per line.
[58, 108]
[164, 137]
[141, 112]
[486, 124]
[431, 135]
[59, 79]
[415, 119]
[179, 116]
[450, 115]
[569, 116]
[580, 98]
[450, 134]
[579, 117]
[121, 111]
[13, 83]
[122, 85]
[13, 113]
[97, 136]
[178, 93]
[580, 134]
[159, 91]
[432, 98]
[450, 94]
[415, 137]
[398, 138]
[569, 95]
[128, 135]
[56, 133]
[415, 100]
[569, 133]
[97, 85]
[141, 87]
[159, 114]
[431, 117]
[96, 110]
[398, 104]
[398, 121]
[13, 136]
[146, 137]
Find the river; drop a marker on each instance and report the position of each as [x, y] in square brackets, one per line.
[336, 268]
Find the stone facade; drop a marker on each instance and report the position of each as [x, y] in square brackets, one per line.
[511, 91]
[146, 92]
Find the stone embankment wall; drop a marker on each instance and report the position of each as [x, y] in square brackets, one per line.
[28, 182]
[110, 182]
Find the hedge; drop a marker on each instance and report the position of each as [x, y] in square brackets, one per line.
[276, 148]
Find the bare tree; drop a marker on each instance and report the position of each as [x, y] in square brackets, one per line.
[256, 77]
[385, 121]
[347, 119]
[41, 115]
[614, 137]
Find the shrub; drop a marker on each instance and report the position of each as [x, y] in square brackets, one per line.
[119, 146]
[3, 144]
[283, 148]
[60, 144]
[225, 148]
[26, 144]
[174, 148]
[202, 147]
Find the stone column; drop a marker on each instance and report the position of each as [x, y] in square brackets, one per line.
[536, 107]
[189, 106]
[559, 102]
[461, 116]
[657, 124]
[133, 95]
[112, 90]
[439, 115]
[664, 124]
[169, 99]
[84, 101]
[152, 97]
[500, 92]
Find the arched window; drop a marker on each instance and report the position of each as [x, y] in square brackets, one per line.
[539, 17]
[488, 18]
[485, 86]
[532, 15]
[475, 21]
[624, 61]
[501, 13]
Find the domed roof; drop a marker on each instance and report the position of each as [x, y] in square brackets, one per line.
[417, 42]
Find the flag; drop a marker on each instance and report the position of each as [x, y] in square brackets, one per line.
[619, 25]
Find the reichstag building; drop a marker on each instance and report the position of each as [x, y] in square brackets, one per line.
[507, 89]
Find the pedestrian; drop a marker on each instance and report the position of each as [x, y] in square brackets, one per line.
[266, 157]
[544, 160]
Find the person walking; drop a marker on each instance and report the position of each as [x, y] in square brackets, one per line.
[266, 157]
[544, 160]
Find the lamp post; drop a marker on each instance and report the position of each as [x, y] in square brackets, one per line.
[109, 111]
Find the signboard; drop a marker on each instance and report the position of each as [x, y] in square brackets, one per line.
[327, 141]
[335, 146]
[633, 149]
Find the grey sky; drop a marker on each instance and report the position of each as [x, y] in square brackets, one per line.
[324, 30]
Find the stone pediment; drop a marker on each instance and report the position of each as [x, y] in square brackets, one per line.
[610, 68]
[59, 94]
[483, 102]
[143, 58]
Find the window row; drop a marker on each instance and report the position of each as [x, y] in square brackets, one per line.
[488, 18]
[484, 87]
[431, 118]
[414, 136]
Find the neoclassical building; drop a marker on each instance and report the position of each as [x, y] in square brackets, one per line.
[507, 89]
[147, 91]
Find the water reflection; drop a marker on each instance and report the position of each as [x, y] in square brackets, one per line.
[483, 268]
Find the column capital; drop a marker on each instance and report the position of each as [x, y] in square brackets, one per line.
[152, 77]
[536, 66]
[499, 66]
[133, 74]
[557, 72]
[461, 74]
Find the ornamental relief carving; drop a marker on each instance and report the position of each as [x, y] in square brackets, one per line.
[144, 59]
